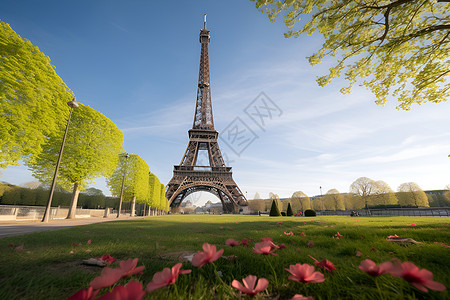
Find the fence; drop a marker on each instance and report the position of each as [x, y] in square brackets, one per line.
[407, 212]
[12, 212]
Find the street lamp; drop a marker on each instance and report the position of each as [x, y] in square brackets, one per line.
[72, 104]
[123, 183]
[321, 196]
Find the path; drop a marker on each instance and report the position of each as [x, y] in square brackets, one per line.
[23, 227]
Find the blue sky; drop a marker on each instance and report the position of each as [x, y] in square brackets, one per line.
[137, 63]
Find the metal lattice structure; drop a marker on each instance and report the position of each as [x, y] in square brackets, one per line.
[195, 173]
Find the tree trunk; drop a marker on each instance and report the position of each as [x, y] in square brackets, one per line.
[133, 207]
[73, 203]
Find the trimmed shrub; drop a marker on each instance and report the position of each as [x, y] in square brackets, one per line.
[274, 211]
[283, 214]
[289, 211]
[310, 213]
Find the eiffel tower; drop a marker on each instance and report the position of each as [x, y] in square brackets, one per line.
[202, 167]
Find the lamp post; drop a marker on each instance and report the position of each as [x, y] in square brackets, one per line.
[123, 183]
[72, 104]
[321, 196]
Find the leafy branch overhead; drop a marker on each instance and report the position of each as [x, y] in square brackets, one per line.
[396, 49]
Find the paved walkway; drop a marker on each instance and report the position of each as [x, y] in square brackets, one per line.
[11, 228]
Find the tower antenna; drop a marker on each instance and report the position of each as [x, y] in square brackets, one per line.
[204, 21]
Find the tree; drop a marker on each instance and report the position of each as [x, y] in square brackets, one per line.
[256, 205]
[383, 194]
[363, 187]
[154, 191]
[410, 194]
[353, 201]
[274, 210]
[396, 47]
[334, 200]
[91, 151]
[276, 198]
[300, 201]
[31, 95]
[289, 211]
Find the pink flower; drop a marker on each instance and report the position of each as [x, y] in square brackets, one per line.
[109, 259]
[128, 267]
[358, 253]
[244, 242]
[372, 269]
[304, 273]
[338, 235]
[301, 297]
[391, 236]
[421, 279]
[237, 222]
[229, 227]
[76, 244]
[310, 244]
[86, 231]
[11, 245]
[87, 294]
[249, 285]
[132, 291]
[324, 264]
[265, 248]
[19, 248]
[266, 240]
[280, 222]
[89, 242]
[221, 227]
[166, 277]
[108, 277]
[289, 233]
[282, 246]
[232, 242]
[302, 234]
[413, 225]
[209, 254]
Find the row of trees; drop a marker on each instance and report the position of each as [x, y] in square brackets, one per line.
[364, 192]
[34, 111]
[139, 184]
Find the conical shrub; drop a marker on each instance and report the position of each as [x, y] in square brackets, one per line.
[274, 211]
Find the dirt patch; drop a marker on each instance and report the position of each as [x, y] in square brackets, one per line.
[76, 266]
[177, 256]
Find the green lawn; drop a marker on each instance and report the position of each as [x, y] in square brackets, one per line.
[50, 266]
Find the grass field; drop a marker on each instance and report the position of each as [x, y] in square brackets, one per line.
[50, 265]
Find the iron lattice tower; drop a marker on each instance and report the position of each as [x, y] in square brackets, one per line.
[209, 174]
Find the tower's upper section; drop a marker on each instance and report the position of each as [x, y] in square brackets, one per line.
[203, 118]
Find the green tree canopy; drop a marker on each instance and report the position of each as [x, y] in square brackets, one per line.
[334, 200]
[136, 178]
[31, 94]
[398, 48]
[154, 191]
[410, 194]
[300, 201]
[91, 150]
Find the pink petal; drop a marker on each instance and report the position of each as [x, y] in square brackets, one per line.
[87, 294]
[250, 281]
[107, 278]
[263, 283]
[132, 291]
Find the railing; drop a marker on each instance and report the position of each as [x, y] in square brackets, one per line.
[202, 168]
[406, 212]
